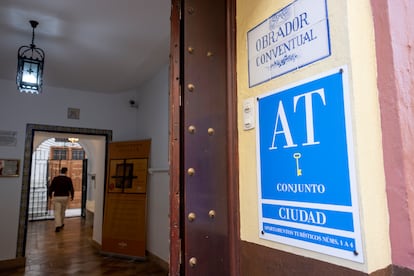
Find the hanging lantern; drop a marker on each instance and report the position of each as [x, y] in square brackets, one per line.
[30, 62]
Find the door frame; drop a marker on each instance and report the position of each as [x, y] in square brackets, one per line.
[27, 165]
[176, 129]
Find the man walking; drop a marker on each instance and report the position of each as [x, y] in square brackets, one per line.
[61, 188]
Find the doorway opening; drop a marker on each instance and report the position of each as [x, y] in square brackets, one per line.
[95, 145]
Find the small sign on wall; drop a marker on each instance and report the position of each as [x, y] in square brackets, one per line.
[9, 167]
[292, 38]
[73, 113]
[8, 138]
[306, 171]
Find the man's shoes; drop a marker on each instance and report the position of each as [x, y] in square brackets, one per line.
[57, 229]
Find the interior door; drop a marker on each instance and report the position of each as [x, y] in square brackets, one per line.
[203, 139]
[84, 186]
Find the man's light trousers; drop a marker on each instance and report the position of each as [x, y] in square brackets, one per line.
[60, 203]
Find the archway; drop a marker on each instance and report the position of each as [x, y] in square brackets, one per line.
[47, 160]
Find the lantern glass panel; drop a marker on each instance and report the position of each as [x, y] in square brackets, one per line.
[30, 72]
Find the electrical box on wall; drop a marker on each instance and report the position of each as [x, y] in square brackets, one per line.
[248, 114]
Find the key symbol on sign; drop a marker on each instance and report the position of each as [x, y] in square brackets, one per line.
[297, 155]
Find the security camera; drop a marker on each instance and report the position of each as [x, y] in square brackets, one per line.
[133, 104]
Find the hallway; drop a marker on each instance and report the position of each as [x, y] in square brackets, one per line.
[70, 252]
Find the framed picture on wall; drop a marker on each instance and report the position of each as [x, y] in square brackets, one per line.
[9, 167]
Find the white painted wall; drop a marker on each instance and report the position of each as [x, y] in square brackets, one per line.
[153, 123]
[99, 111]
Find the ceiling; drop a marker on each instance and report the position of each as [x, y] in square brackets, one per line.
[106, 46]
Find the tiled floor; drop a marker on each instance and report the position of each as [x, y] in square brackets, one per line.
[70, 252]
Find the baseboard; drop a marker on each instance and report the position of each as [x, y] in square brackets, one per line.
[13, 263]
[154, 258]
[96, 245]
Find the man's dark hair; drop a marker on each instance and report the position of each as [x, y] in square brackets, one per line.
[64, 170]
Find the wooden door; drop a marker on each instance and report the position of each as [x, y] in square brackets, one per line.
[204, 222]
[124, 225]
[84, 187]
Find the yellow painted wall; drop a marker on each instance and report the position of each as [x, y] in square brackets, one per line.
[352, 44]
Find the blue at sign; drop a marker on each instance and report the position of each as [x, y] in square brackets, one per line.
[303, 148]
[306, 176]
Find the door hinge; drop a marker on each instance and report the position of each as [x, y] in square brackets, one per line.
[179, 9]
[181, 252]
[179, 97]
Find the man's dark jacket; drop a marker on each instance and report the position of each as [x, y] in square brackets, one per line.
[61, 186]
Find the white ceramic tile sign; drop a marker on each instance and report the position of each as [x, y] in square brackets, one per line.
[293, 37]
[307, 184]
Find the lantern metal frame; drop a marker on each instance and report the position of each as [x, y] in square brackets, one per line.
[30, 63]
